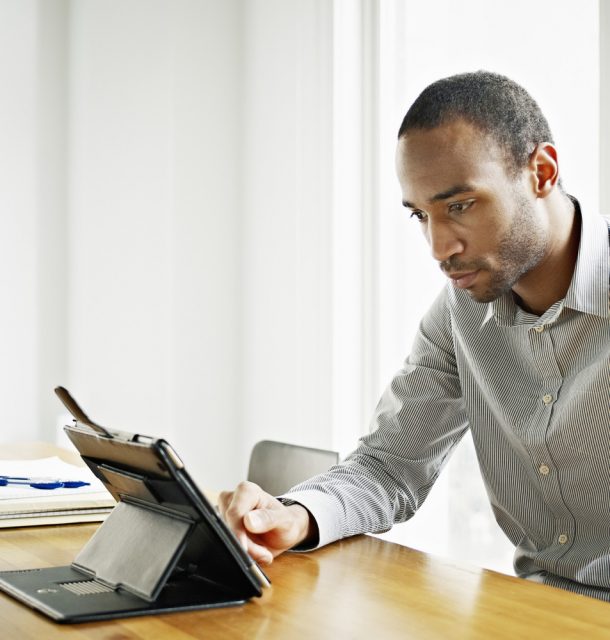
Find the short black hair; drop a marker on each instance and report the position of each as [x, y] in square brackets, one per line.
[493, 103]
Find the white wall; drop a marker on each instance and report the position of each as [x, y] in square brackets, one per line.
[200, 301]
[604, 106]
[168, 231]
[32, 214]
[287, 223]
[155, 168]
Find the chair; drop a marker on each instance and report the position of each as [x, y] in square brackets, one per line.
[278, 466]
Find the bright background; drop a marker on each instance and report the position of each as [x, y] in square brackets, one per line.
[201, 230]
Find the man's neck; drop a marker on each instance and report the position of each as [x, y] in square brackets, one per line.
[550, 280]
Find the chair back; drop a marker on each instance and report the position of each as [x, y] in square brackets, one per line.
[278, 466]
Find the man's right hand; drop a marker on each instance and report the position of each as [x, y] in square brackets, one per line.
[263, 525]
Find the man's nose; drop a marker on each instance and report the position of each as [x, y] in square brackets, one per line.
[443, 241]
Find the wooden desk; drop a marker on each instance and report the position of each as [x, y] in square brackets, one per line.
[358, 588]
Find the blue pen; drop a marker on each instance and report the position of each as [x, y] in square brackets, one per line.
[43, 483]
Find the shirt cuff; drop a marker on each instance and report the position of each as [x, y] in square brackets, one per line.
[324, 510]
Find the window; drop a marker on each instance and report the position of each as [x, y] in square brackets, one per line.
[399, 47]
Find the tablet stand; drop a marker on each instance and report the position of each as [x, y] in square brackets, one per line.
[136, 548]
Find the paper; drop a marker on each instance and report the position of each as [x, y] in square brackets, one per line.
[24, 506]
[52, 518]
[46, 468]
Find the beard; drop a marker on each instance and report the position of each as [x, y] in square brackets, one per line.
[521, 248]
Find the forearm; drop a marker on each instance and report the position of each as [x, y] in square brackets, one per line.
[418, 421]
[342, 502]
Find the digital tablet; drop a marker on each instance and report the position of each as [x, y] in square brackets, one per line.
[163, 547]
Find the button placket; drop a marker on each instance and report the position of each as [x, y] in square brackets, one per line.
[550, 381]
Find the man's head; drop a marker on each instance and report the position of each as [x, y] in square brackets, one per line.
[475, 160]
[492, 103]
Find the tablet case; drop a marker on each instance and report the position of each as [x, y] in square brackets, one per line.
[163, 547]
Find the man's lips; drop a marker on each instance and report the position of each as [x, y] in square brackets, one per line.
[464, 279]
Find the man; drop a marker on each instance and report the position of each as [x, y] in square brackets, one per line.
[516, 348]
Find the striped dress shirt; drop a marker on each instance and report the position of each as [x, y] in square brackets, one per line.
[535, 393]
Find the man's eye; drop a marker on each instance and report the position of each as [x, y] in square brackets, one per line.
[419, 215]
[459, 207]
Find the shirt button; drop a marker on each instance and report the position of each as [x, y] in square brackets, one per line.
[544, 470]
[539, 329]
[562, 538]
[547, 399]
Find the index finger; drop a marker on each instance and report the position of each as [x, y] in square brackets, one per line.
[224, 499]
[236, 504]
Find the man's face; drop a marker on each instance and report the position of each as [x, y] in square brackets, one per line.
[482, 223]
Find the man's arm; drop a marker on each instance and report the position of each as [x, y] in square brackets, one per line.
[418, 421]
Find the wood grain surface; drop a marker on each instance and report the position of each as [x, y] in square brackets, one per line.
[361, 587]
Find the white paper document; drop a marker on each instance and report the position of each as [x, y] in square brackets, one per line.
[22, 505]
[49, 468]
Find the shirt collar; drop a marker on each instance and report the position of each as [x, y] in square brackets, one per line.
[589, 289]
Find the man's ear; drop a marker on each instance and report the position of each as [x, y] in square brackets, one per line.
[544, 169]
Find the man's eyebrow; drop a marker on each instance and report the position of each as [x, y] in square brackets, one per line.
[452, 191]
[444, 195]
